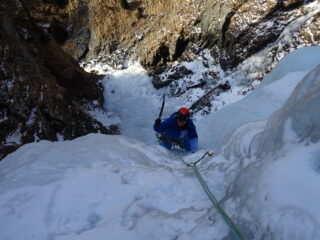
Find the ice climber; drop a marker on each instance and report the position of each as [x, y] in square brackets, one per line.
[179, 130]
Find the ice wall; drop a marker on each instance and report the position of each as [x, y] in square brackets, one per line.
[274, 164]
[300, 113]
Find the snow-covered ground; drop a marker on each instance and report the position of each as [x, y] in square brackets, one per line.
[265, 171]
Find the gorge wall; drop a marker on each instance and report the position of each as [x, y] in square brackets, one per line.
[158, 32]
[44, 94]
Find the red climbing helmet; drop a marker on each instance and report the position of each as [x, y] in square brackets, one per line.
[183, 114]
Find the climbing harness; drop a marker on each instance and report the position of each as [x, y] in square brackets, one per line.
[176, 144]
[212, 198]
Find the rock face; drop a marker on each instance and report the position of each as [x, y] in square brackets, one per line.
[242, 28]
[160, 32]
[43, 91]
[157, 32]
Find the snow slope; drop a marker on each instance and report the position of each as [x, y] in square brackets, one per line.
[117, 187]
[97, 187]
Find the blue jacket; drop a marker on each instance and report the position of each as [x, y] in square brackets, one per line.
[171, 130]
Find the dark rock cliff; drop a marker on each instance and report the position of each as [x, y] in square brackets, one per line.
[160, 32]
[43, 91]
[242, 28]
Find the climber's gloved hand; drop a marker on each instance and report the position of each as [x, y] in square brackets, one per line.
[157, 122]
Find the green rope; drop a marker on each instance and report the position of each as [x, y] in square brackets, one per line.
[214, 201]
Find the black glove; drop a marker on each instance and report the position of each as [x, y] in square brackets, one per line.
[157, 122]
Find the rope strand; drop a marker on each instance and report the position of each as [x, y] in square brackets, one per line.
[212, 198]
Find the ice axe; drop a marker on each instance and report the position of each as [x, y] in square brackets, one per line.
[162, 106]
